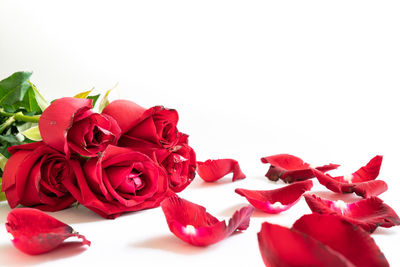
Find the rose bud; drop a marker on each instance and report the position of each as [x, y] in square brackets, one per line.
[118, 181]
[154, 127]
[34, 175]
[69, 124]
[35, 232]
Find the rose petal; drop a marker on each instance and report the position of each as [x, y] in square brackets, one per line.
[352, 242]
[366, 173]
[277, 200]
[212, 170]
[368, 213]
[290, 168]
[194, 225]
[364, 189]
[125, 112]
[281, 246]
[35, 232]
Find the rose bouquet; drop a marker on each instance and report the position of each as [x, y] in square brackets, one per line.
[122, 158]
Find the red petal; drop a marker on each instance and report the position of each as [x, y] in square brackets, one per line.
[281, 246]
[277, 200]
[212, 170]
[125, 112]
[366, 173]
[56, 120]
[194, 225]
[352, 242]
[364, 189]
[35, 232]
[368, 213]
[290, 168]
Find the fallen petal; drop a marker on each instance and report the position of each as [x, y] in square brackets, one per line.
[290, 168]
[364, 189]
[212, 170]
[366, 173]
[281, 246]
[35, 232]
[194, 225]
[333, 231]
[276, 200]
[367, 213]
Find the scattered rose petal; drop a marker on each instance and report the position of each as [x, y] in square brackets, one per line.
[368, 213]
[276, 200]
[212, 170]
[353, 243]
[364, 189]
[194, 225]
[290, 168]
[35, 232]
[281, 246]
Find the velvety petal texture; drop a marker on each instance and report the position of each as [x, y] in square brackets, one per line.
[367, 213]
[213, 170]
[35, 232]
[118, 181]
[284, 247]
[276, 200]
[194, 225]
[353, 243]
[364, 189]
[34, 175]
[290, 168]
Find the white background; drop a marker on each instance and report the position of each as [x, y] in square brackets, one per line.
[316, 79]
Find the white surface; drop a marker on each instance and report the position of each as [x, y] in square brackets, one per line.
[315, 79]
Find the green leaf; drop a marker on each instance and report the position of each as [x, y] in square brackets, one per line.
[29, 102]
[2, 195]
[32, 133]
[94, 98]
[42, 102]
[14, 88]
[3, 161]
[84, 94]
[104, 102]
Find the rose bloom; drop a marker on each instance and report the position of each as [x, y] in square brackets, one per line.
[69, 124]
[118, 181]
[154, 132]
[34, 175]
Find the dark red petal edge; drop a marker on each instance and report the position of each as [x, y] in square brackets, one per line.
[276, 200]
[352, 242]
[281, 246]
[213, 170]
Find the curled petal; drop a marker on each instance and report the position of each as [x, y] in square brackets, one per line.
[364, 189]
[212, 170]
[281, 246]
[58, 118]
[353, 243]
[366, 173]
[35, 232]
[290, 168]
[367, 213]
[277, 200]
[194, 225]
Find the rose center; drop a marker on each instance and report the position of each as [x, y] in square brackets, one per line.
[134, 180]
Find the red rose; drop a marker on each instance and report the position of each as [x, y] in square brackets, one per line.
[154, 127]
[69, 124]
[118, 181]
[34, 175]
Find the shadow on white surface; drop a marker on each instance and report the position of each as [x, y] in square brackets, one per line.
[169, 243]
[200, 183]
[383, 231]
[10, 256]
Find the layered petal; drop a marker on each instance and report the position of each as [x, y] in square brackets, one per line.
[58, 118]
[364, 189]
[35, 232]
[281, 246]
[367, 213]
[353, 243]
[212, 170]
[290, 168]
[276, 200]
[194, 225]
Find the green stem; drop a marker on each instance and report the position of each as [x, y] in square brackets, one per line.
[19, 116]
[7, 123]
